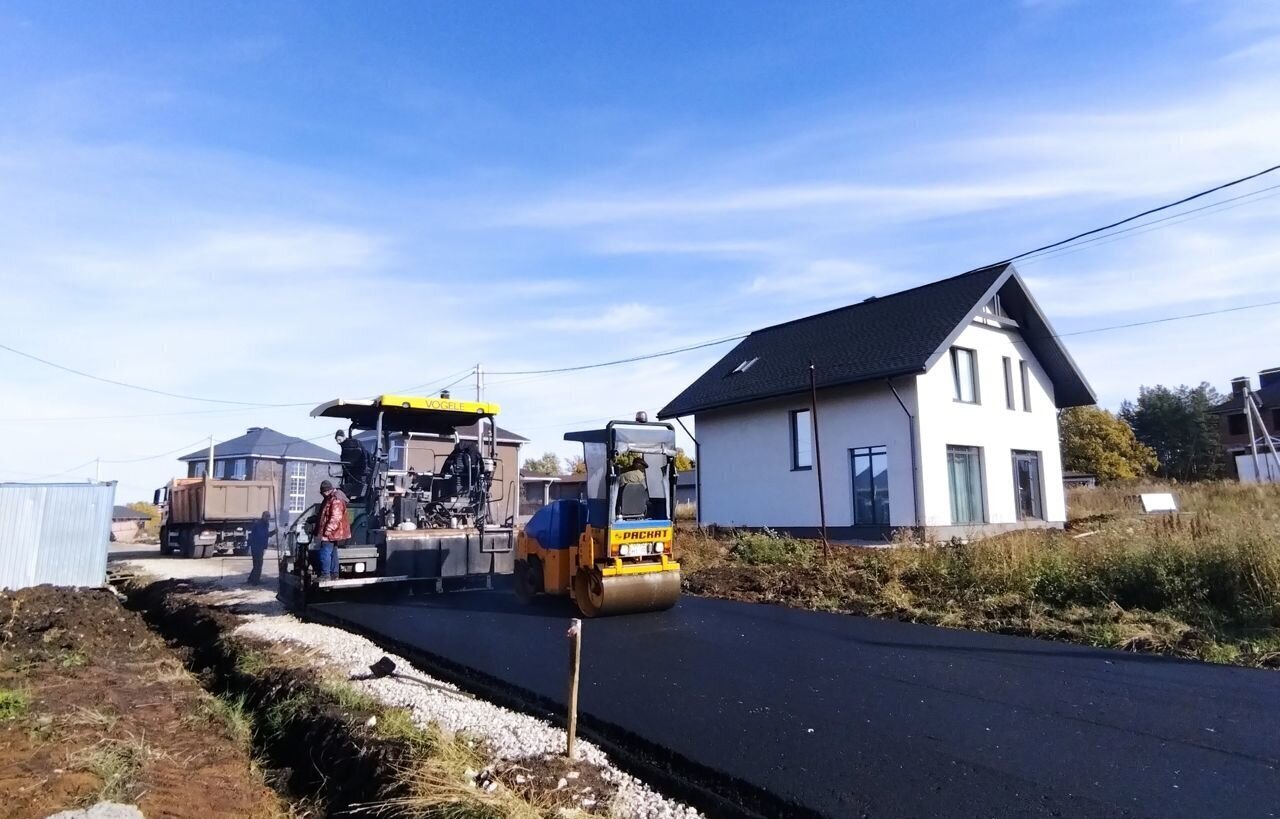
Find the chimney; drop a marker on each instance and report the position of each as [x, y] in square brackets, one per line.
[252, 430]
[1238, 386]
[1268, 377]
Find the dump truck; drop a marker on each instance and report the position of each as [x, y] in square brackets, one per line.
[201, 517]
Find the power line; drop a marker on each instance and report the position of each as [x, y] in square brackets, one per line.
[1137, 216]
[629, 360]
[138, 387]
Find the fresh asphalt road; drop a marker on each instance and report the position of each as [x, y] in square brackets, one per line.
[852, 717]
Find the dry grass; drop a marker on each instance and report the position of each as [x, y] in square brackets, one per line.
[1202, 583]
[118, 763]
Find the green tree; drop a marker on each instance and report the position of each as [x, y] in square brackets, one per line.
[548, 464]
[1178, 426]
[152, 526]
[1097, 442]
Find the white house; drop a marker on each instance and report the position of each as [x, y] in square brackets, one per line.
[936, 408]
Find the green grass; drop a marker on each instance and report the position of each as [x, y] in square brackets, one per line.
[73, 659]
[1202, 583]
[232, 714]
[13, 704]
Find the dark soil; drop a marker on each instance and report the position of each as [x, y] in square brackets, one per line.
[538, 779]
[107, 710]
[317, 751]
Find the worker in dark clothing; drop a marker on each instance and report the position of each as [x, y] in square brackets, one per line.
[332, 529]
[259, 535]
[355, 465]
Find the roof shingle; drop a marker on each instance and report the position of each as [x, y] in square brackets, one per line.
[877, 338]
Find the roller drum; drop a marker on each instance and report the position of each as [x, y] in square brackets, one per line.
[599, 596]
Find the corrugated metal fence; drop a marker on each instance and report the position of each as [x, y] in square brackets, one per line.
[54, 533]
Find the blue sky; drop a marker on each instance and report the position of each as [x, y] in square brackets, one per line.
[287, 202]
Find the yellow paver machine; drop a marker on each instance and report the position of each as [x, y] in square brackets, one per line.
[611, 553]
[429, 525]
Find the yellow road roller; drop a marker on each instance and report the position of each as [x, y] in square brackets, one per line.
[610, 553]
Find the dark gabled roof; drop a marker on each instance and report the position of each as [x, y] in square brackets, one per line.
[898, 334]
[1268, 396]
[264, 442]
[125, 513]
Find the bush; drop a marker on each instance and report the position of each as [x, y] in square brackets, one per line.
[768, 547]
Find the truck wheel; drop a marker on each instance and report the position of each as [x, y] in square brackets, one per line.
[187, 542]
[165, 549]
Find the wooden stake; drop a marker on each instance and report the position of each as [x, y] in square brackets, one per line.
[575, 658]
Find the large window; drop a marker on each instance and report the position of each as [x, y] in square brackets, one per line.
[1236, 425]
[200, 467]
[870, 486]
[801, 440]
[297, 486]
[1026, 485]
[1026, 386]
[964, 471]
[219, 470]
[964, 369]
[239, 469]
[1008, 383]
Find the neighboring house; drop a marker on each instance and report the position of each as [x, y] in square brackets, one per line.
[687, 489]
[127, 524]
[937, 407]
[1233, 427]
[537, 489]
[295, 466]
[1070, 479]
[427, 453]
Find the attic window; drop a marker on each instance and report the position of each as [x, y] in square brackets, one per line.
[745, 365]
[993, 314]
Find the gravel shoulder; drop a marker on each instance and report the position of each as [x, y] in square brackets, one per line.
[515, 748]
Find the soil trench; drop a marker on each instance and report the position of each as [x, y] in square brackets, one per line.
[93, 706]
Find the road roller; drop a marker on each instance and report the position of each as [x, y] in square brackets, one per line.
[610, 553]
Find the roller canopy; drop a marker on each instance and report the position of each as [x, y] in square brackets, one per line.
[406, 413]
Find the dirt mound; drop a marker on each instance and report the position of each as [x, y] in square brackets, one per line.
[94, 706]
[46, 623]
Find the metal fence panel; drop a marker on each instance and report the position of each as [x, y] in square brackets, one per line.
[56, 533]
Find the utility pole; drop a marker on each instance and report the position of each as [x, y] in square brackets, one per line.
[1271, 446]
[1253, 440]
[479, 384]
[208, 470]
[817, 458]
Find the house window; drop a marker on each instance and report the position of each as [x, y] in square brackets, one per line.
[396, 453]
[200, 468]
[964, 369]
[1026, 386]
[964, 471]
[219, 470]
[870, 486]
[297, 486]
[801, 440]
[1275, 420]
[1008, 383]
[1026, 485]
[1236, 425]
[239, 469]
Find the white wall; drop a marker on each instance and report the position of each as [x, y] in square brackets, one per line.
[745, 458]
[989, 425]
